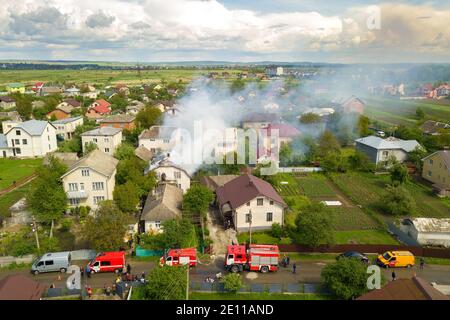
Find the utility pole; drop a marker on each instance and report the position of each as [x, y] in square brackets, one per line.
[187, 282]
[250, 226]
[34, 228]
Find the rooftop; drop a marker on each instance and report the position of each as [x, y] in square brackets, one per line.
[33, 127]
[163, 204]
[103, 131]
[118, 118]
[19, 287]
[161, 132]
[431, 224]
[388, 143]
[444, 154]
[98, 161]
[260, 117]
[67, 120]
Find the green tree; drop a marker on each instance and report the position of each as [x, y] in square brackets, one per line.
[91, 146]
[126, 197]
[346, 278]
[197, 200]
[310, 117]
[420, 114]
[165, 283]
[47, 199]
[363, 126]
[24, 107]
[360, 161]
[314, 225]
[398, 201]
[399, 174]
[328, 143]
[334, 162]
[106, 229]
[232, 282]
[276, 230]
[149, 116]
[285, 154]
[178, 233]
[416, 157]
[124, 151]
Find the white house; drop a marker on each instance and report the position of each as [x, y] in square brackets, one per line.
[159, 138]
[167, 172]
[428, 231]
[65, 128]
[249, 202]
[381, 150]
[107, 139]
[31, 138]
[162, 204]
[90, 180]
[7, 103]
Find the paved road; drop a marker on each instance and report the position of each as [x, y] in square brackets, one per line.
[307, 272]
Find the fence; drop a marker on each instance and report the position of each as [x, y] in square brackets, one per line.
[262, 287]
[367, 248]
[140, 252]
[7, 260]
[299, 169]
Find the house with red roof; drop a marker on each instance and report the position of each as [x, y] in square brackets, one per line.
[98, 109]
[37, 87]
[250, 202]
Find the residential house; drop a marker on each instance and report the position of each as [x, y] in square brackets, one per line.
[90, 94]
[10, 115]
[135, 107]
[414, 288]
[64, 109]
[381, 150]
[443, 91]
[168, 172]
[428, 231]
[258, 120]
[72, 92]
[434, 128]
[8, 124]
[143, 153]
[7, 103]
[226, 143]
[107, 139]
[248, 201]
[286, 133]
[98, 109]
[65, 128]
[425, 90]
[159, 138]
[436, 169]
[353, 105]
[122, 89]
[31, 138]
[162, 204]
[214, 182]
[15, 88]
[122, 121]
[90, 180]
[20, 287]
[37, 87]
[47, 91]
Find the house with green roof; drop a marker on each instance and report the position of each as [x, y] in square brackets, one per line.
[15, 87]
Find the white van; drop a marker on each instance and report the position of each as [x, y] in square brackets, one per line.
[52, 262]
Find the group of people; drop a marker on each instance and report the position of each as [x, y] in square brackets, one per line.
[286, 261]
[127, 277]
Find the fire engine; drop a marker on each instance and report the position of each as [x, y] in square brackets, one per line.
[108, 262]
[175, 257]
[258, 257]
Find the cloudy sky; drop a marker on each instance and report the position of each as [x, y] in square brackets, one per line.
[233, 30]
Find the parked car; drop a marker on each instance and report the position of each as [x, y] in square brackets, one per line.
[396, 259]
[108, 262]
[52, 262]
[354, 255]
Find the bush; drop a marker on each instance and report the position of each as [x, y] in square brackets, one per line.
[232, 282]
[66, 224]
[398, 201]
[277, 231]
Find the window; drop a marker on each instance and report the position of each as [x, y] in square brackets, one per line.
[106, 150]
[166, 140]
[49, 147]
[97, 186]
[269, 216]
[260, 201]
[385, 153]
[24, 141]
[85, 172]
[82, 186]
[74, 202]
[248, 218]
[17, 142]
[73, 186]
[98, 199]
[106, 139]
[105, 263]
[95, 139]
[49, 262]
[48, 138]
[18, 132]
[248, 204]
[429, 173]
[271, 202]
[158, 224]
[177, 174]
[18, 151]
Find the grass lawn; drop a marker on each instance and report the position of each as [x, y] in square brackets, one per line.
[316, 186]
[364, 237]
[352, 218]
[15, 169]
[12, 197]
[262, 238]
[256, 296]
[286, 185]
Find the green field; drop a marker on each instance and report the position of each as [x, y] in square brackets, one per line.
[14, 169]
[367, 190]
[102, 76]
[395, 112]
[352, 218]
[316, 186]
[364, 237]
[261, 238]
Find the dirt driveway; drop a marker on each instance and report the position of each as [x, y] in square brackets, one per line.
[221, 238]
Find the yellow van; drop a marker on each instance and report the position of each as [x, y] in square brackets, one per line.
[396, 259]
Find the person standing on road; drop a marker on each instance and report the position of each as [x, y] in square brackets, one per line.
[88, 271]
[422, 263]
[394, 276]
[294, 268]
[128, 268]
[288, 260]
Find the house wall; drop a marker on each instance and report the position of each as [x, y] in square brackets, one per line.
[184, 183]
[68, 129]
[106, 144]
[7, 105]
[120, 125]
[157, 144]
[36, 146]
[13, 90]
[435, 170]
[150, 226]
[77, 177]
[259, 214]
[58, 114]
[371, 153]
[381, 155]
[434, 239]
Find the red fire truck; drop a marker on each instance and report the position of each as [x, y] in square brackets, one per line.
[176, 257]
[258, 257]
[108, 262]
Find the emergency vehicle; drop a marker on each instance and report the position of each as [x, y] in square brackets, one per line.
[108, 262]
[176, 257]
[258, 257]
